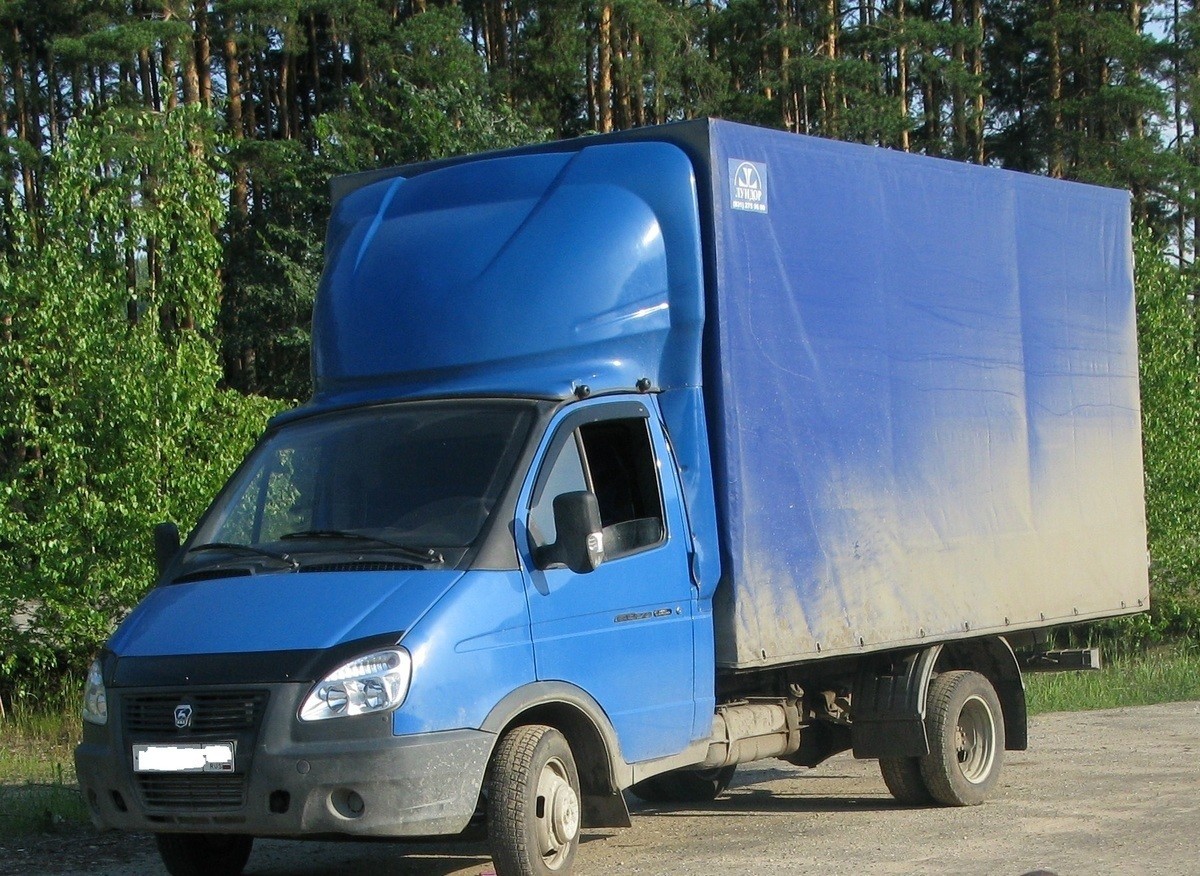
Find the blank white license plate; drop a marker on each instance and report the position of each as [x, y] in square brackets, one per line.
[200, 757]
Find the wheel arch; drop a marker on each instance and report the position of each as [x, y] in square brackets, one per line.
[594, 745]
[994, 659]
[889, 696]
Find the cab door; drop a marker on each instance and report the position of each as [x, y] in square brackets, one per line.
[623, 632]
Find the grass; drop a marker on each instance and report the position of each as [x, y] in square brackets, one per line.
[1161, 675]
[38, 791]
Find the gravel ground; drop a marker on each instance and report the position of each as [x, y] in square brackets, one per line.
[1111, 792]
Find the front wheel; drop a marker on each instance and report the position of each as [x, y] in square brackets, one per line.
[533, 805]
[204, 854]
[966, 739]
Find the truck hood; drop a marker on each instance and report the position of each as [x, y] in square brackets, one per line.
[287, 611]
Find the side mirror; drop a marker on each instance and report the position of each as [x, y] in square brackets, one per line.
[580, 542]
[166, 545]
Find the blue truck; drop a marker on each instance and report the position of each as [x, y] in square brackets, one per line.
[631, 459]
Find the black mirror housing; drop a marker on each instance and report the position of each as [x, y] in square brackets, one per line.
[580, 535]
[166, 545]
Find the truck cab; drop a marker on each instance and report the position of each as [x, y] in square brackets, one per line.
[478, 523]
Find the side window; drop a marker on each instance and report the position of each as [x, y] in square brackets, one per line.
[615, 460]
[566, 476]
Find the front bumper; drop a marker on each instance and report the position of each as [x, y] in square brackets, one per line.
[343, 777]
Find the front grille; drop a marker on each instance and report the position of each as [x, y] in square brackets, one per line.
[224, 711]
[193, 792]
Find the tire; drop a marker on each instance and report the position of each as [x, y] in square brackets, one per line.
[204, 854]
[965, 725]
[533, 804]
[903, 778]
[684, 786]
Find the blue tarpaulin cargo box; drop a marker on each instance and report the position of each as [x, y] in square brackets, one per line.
[923, 397]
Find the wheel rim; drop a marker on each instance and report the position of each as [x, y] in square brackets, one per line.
[976, 740]
[557, 813]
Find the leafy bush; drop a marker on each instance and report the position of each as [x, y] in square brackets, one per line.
[1170, 380]
[111, 415]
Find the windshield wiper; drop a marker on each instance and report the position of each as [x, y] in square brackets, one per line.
[429, 555]
[246, 549]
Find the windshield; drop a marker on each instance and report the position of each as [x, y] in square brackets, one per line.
[416, 478]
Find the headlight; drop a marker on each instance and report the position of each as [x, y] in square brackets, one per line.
[372, 683]
[95, 700]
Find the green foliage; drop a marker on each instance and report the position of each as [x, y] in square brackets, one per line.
[435, 103]
[1170, 383]
[1161, 675]
[110, 419]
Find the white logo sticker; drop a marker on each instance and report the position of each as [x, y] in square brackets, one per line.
[747, 185]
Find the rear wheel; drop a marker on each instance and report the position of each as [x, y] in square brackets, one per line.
[204, 854]
[533, 803]
[684, 786]
[902, 775]
[966, 739]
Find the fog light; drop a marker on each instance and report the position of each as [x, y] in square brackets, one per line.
[347, 803]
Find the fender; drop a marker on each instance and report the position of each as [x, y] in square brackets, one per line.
[887, 705]
[888, 701]
[603, 770]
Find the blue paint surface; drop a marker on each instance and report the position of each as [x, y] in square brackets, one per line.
[276, 612]
[469, 652]
[521, 275]
[641, 670]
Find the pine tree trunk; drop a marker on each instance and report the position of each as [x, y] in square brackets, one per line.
[1135, 20]
[591, 71]
[339, 66]
[832, 121]
[146, 77]
[3, 104]
[52, 98]
[314, 71]
[233, 82]
[977, 72]
[284, 107]
[930, 99]
[637, 77]
[168, 74]
[203, 52]
[958, 96]
[783, 15]
[24, 132]
[292, 97]
[623, 98]
[902, 75]
[1177, 106]
[78, 77]
[604, 69]
[1056, 94]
